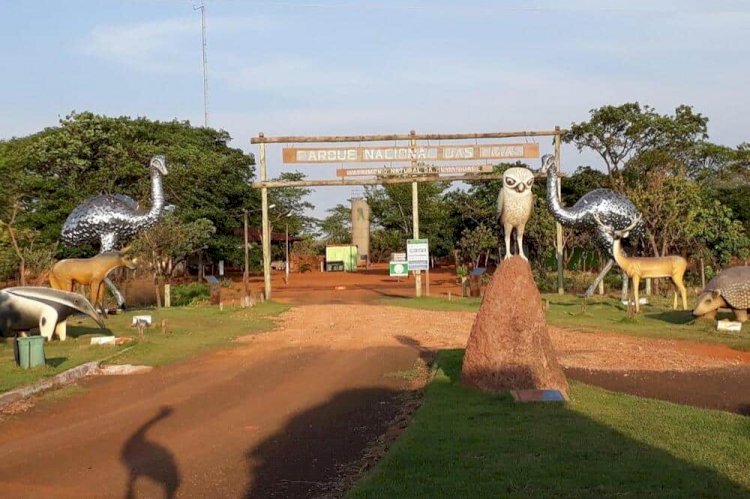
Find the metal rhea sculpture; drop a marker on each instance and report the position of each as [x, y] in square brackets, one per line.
[112, 218]
[610, 207]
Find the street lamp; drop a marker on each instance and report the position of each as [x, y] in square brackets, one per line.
[245, 274]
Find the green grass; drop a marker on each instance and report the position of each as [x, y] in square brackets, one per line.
[464, 443]
[656, 320]
[190, 330]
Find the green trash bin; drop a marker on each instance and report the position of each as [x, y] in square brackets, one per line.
[30, 351]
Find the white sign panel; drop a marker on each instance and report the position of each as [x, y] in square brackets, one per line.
[418, 254]
[417, 170]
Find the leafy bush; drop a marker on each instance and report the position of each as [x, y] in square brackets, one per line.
[187, 294]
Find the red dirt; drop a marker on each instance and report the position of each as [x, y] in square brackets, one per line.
[365, 285]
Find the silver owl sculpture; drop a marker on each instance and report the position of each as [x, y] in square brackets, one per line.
[515, 202]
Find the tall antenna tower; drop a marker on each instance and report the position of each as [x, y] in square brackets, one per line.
[202, 8]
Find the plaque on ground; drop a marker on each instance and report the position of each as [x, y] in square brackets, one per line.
[538, 396]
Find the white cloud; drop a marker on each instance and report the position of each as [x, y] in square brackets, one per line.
[167, 45]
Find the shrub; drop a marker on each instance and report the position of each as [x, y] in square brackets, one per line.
[187, 294]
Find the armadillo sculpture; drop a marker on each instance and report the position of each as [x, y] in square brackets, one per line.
[729, 289]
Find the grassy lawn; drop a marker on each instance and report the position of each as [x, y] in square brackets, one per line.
[656, 320]
[190, 330]
[464, 443]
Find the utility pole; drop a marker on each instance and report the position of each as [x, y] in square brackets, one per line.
[245, 274]
[202, 8]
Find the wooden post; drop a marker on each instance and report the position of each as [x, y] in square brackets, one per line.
[167, 295]
[558, 227]
[703, 274]
[415, 215]
[648, 286]
[265, 222]
[245, 273]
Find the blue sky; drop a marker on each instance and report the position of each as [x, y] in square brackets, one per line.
[345, 67]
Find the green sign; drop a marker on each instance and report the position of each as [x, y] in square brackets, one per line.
[398, 269]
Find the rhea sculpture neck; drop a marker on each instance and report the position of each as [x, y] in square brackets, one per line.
[559, 212]
[157, 193]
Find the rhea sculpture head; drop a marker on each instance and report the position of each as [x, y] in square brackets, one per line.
[548, 161]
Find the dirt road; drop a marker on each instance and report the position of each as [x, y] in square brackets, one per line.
[262, 420]
[280, 414]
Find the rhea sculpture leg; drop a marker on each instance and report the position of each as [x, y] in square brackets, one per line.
[599, 278]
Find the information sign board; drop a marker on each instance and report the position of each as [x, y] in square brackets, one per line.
[418, 254]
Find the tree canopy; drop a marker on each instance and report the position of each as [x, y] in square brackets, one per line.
[87, 154]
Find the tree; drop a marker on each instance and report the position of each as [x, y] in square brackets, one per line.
[477, 242]
[171, 242]
[9, 223]
[294, 200]
[619, 133]
[337, 226]
[88, 154]
[391, 211]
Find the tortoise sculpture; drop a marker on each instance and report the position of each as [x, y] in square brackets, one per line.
[729, 289]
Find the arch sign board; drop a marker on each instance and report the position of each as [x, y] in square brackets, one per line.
[362, 154]
[414, 154]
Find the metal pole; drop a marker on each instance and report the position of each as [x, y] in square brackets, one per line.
[202, 8]
[286, 266]
[415, 214]
[246, 273]
[558, 227]
[265, 222]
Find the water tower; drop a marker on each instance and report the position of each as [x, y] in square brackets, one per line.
[361, 228]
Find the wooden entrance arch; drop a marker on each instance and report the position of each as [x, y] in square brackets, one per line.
[419, 153]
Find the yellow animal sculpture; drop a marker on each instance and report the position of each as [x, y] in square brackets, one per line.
[89, 272]
[637, 268]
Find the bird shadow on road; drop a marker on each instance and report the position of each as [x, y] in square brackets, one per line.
[146, 458]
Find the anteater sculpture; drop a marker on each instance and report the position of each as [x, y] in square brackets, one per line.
[26, 308]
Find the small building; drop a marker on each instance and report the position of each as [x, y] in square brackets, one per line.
[341, 257]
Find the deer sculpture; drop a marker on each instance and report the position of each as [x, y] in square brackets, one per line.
[89, 272]
[637, 268]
